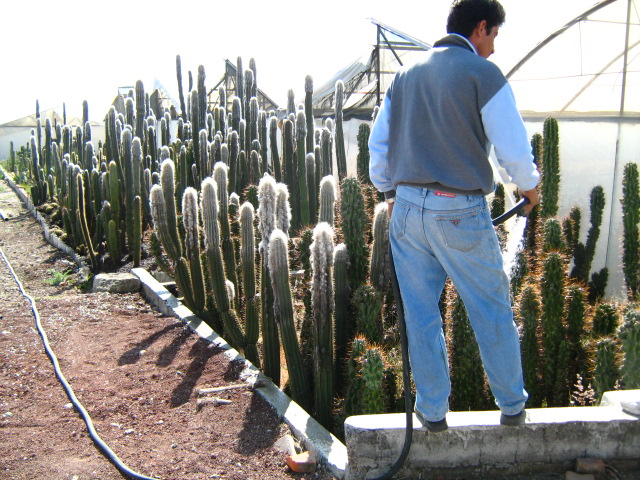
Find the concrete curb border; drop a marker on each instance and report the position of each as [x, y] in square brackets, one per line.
[328, 449]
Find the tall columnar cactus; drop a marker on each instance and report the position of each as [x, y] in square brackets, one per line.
[467, 380]
[283, 210]
[39, 188]
[283, 310]
[82, 217]
[584, 254]
[190, 220]
[290, 172]
[267, 191]
[576, 333]
[554, 331]
[211, 228]
[163, 210]
[368, 303]
[629, 335]
[373, 368]
[196, 123]
[136, 247]
[341, 155]
[631, 238]
[379, 264]
[551, 169]
[327, 202]
[362, 161]
[528, 317]
[183, 108]
[202, 95]
[571, 229]
[220, 175]
[605, 320]
[115, 200]
[303, 191]
[326, 144]
[354, 228]
[553, 241]
[239, 79]
[140, 110]
[355, 382]
[323, 306]
[607, 370]
[342, 314]
[273, 144]
[308, 111]
[248, 263]
[312, 185]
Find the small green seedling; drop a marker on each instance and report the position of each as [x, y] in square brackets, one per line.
[58, 278]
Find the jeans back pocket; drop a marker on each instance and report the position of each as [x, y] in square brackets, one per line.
[461, 231]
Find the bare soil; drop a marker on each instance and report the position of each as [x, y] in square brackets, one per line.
[134, 370]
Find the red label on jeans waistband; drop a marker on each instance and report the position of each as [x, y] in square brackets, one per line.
[445, 194]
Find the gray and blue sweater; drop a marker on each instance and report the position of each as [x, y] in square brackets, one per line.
[439, 119]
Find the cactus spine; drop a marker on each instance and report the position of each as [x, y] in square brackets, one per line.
[322, 304]
[283, 310]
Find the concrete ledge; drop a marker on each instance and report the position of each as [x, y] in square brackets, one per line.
[476, 445]
[328, 449]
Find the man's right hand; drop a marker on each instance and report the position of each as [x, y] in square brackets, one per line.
[533, 197]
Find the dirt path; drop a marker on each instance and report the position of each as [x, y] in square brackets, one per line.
[135, 371]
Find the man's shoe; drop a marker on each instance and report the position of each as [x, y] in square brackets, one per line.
[513, 420]
[433, 427]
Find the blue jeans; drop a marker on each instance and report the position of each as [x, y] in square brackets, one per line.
[435, 235]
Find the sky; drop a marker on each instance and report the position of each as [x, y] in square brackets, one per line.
[73, 50]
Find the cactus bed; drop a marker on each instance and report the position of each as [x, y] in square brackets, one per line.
[98, 339]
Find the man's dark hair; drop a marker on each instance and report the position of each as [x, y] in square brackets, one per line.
[464, 15]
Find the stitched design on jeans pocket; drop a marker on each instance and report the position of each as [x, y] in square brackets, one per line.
[398, 223]
[461, 231]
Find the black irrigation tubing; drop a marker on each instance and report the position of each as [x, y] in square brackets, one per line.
[102, 446]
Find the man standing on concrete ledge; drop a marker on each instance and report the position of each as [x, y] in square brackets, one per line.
[429, 155]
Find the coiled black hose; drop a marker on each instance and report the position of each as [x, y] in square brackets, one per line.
[103, 447]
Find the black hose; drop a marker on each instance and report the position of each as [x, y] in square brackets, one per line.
[406, 366]
[103, 447]
[406, 374]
